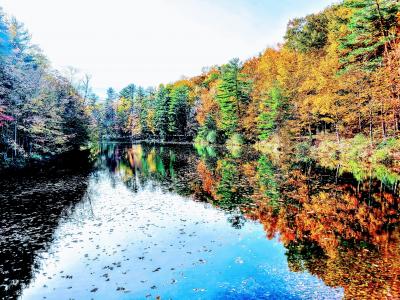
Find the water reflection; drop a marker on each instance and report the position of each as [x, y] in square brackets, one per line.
[343, 230]
[155, 221]
[330, 225]
[31, 209]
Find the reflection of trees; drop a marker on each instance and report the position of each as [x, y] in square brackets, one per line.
[224, 180]
[343, 231]
[227, 182]
[237, 220]
[231, 190]
[266, 176]
[139, 165]
[363, 273]
[31, 209]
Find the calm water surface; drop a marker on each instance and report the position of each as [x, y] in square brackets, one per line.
[147, 222]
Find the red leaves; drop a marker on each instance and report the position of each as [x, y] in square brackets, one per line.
[4, 117]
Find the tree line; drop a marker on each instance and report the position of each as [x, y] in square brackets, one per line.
[41, 113]
[335, 76]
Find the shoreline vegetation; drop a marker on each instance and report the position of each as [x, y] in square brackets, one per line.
[356, 156]
[329, 94]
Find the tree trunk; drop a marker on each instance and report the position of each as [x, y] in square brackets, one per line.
[337, 133]
[383, 122]
[370, 126]
[337, 173]
[15, 138]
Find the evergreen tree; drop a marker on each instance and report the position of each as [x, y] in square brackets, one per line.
[178, 108]
[372, 32]
[5, 45]
[267, 119]
[111, 95]
[141, 103]
[75, 122]
[162, 101]
[20, 37]
[109, 112]
[128, 92]
[233, 92]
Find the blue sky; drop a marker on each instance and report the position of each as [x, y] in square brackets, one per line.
[149, 42]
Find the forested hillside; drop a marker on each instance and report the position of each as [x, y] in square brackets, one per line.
[41, 113]
[333, 84]
[334, 78]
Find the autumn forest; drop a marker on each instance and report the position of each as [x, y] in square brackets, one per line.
[334, 83]
[275, 177]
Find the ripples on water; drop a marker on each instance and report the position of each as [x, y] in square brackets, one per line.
[149, 222]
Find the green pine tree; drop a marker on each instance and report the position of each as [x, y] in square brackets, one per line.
[161, 111]
[372, 30]
[267, 119]
[177, 113]
[267, 181]
[233, 92]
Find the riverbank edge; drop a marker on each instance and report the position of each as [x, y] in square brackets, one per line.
[357, 155]
[74, 159]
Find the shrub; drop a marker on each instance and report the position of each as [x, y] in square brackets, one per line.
[384, 151]
[235, 140]
[211, 137]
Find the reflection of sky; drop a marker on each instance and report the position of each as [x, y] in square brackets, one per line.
[121, 245]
